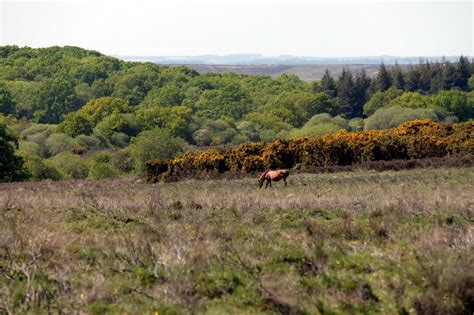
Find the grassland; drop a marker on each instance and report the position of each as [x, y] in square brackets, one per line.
[350, 242]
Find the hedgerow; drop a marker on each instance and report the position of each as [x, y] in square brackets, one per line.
[412, 140]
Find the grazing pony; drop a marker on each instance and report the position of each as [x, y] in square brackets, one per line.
[275, 176]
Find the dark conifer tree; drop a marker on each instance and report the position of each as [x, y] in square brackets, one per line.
[361, 91]
[345, 92]
[328, 84]
[448, 73]
[463, 71]
[425, 76]
[383, 80]
[398, 81]
[412, 79]
[437, 80]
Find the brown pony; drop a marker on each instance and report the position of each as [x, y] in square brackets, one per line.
[275, 176]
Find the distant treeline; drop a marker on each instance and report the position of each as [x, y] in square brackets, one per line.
[63, 101]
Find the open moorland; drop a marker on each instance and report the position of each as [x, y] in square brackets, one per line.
[350, 242]
[306, 72]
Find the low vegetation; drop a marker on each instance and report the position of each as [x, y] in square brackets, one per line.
[352, 242]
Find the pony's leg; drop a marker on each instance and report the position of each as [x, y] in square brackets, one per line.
[284, 180]
[266, 184]
[270, 181]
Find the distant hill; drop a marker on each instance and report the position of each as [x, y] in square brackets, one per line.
[257, 59]
[306, 68]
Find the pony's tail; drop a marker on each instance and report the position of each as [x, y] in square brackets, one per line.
[262, 179]
[263, 175]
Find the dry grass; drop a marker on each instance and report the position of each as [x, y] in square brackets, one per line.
[351, 242]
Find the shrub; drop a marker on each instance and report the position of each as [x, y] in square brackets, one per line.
[154, 143]
[101, 170]
[119, 139]
[380, 99]
[28, 148]
[59, 142]
[41, 170]
[123, 160]
[319, 125]
[314, 130]
[411, 100]
[101, 157]
[69, 165]
[202, 137]
[36, 129]
[88, 142]
[412, 140]
[391, 117]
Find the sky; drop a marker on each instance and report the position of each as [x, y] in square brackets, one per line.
[268, 27]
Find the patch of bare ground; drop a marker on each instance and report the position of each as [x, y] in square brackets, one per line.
[346, 242]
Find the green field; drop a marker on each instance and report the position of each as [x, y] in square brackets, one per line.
[350, 242]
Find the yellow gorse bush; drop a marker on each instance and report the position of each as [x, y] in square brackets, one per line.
[411, 140]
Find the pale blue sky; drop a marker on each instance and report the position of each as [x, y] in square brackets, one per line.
[193, 27]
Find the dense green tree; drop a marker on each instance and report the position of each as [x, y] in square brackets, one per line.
[90, 69]
[25, 96]
[7, 106]
[230, 101]
[176, 119]
[76, 123]
[102, 107]
[267, 121]
[56, 99]
[297, 107]
[169, 95]
[118, 123]
[381, 99]
[11, 165]
[456, 102]
[133, 84]
[411, 100]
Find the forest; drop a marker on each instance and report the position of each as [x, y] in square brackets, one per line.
[71, 113]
